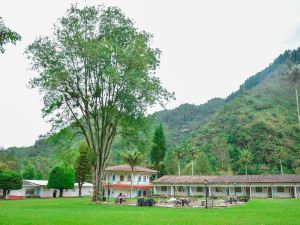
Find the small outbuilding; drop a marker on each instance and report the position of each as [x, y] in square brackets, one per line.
[38, 188]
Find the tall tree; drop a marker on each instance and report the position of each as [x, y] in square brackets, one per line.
[158, 150]
[291, 74]
[132, 158]
[83, 165]
[178, 153]
[194, 153]
[245, 159]
[61, 177]
[10, 180]
[7, 36]
[97, 72]
[280, 153]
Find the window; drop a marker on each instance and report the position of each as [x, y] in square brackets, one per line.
[238, 189]
[129, 178]
[144, 193]
[144, 178]
[140, 178]
[113, 177]
[199, 189]
[181, 189]
[219, 189]
[139, 193]
[280, 189]
[163, 188]
[122, 178]
[29, 192]
[258, 189]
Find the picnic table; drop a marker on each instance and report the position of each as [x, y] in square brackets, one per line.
[182, 202]
[120, 199]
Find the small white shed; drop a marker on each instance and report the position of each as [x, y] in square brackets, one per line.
[38, 188]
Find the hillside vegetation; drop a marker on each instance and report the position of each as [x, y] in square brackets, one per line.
[260, 117]
[186, 118]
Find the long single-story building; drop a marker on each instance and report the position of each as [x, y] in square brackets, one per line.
[256, 186]
[38, 188]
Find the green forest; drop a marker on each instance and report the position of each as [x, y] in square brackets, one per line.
[254, 130]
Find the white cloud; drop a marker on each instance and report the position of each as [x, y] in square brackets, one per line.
[209, 48]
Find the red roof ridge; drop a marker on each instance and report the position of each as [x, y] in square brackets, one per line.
[126, 168]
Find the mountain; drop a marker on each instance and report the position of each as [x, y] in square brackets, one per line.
[186, 118]
[260, 117]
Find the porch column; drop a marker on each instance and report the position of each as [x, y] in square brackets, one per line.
[229, 190]
[154, 190]
[172, 191]
[209, 191]
[295, 192]
[250, 192]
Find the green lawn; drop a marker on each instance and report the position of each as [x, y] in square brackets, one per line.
[81, 211]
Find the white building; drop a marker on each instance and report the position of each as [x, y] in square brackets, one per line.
[118, 181]
[255, 186]
[38, 188]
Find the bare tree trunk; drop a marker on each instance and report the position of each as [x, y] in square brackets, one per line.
[281, 170]
[95, 184]
[192, 167]
[246, 169]
[297, 100]
[178, 168]
[4, 193]
[61, 191]
[131, 184]
[79, 187]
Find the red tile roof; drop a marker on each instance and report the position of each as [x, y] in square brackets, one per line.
[288, 178]
[126, 168]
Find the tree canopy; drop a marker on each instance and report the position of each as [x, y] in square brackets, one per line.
[97, 72]
[61, 177]
[158, 150]
[83, 165]
[10, 180]
[7, 36]
[29, 172]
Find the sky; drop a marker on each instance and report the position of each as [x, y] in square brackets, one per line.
[208, 49]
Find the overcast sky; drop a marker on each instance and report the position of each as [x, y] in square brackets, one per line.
[208, 49]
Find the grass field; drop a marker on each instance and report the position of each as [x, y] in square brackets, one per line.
[81, 211]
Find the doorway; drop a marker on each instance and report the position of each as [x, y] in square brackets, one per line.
[270, 192]
[248, 191]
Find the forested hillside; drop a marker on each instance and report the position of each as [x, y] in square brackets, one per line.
[186, 118]
[260, 117]
[62, 146]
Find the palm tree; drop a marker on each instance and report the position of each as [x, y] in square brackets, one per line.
[280, 154]
[193, 152]
[178, 154]
[292, 75]
[132, 158]
[245, 158]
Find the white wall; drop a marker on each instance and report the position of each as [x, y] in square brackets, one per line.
[135, 180]
[263, 194]
[43, 192]
[115, 192]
